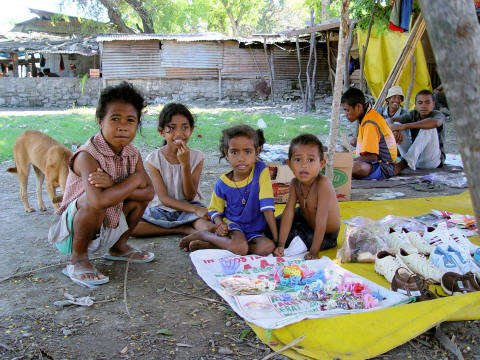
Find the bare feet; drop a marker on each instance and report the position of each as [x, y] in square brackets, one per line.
[399, 166]
[185, 242]
[200, 245]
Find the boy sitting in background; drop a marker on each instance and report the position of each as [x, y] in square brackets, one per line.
[317, 220]
[376, 146]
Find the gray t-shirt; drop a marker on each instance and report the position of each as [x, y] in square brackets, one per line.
[172, 175]
[384, 112]
[414, 116]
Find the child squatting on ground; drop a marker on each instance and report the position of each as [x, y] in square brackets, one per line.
[376, 146]
[107, 190]
[175, 170]
[317, 219]
[242, 201]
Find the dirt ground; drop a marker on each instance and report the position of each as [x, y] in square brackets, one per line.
[169, 313]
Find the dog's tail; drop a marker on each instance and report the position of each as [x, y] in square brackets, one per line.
[12, 170]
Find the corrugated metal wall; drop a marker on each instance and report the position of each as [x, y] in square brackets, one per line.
[132, 60]
[144, 59]
[285, 62]
[247, 62]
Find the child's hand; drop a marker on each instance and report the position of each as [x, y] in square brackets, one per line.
[279, 251]
[100, 179]
[310, 256]
[202, 212]
[222, 229]
[183, 154]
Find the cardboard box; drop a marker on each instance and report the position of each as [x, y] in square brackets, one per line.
[281, 176]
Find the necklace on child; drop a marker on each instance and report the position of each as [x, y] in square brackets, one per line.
[303, 195]
[245, 194]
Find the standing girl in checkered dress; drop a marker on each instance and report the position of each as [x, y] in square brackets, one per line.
[107, 190]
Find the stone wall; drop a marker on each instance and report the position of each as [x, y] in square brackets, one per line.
[66, 92]
[43, 92]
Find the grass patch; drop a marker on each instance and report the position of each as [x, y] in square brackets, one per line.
[78, 125]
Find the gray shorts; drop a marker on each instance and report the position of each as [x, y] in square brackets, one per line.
[169, 219]
[60, 233]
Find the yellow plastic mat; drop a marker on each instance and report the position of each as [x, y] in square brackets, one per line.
[364, 335]
[383, 50]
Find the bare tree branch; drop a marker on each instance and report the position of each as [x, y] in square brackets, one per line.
[144, 15]
[115, 16]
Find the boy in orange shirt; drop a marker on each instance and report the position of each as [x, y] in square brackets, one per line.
[376, 146]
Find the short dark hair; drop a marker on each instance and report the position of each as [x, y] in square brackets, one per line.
[352, 97]
[172, 109]
[424, 92]
[305, 139]
[240, 130]
[123, 92]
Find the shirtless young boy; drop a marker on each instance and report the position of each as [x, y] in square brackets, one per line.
[317, 219]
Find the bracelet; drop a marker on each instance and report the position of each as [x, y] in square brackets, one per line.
[218, 226]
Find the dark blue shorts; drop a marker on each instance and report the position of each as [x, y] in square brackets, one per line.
[380, 170]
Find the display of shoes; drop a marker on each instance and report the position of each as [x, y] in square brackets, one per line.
[437, 236]
[462, 258]
[456, 284]
[461, 240]
[407, 283]
[419, 264]
[417, 241]
[476, 257]
[397, 240]
[444, 260]
[387, 264]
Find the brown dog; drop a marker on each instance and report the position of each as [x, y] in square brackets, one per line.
[49, 159]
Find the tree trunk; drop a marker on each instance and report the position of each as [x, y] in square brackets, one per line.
[452, 27]
[346, 75]
[234, 24]
[299, 58]
[325, 4]
[147, 21]
[309, 104]
[115, 16]
[364, 48]
[412, 82]
[337, 92]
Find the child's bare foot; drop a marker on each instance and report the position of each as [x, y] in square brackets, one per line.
[200, 245]
[185, 242]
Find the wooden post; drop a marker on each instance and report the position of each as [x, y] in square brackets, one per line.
[364, 48]
[329, 61]
[406, 104]
[219, 84]
[269, 68]
[299, 58]
[337, 92]
[453, 32]
[402, 60]
[14, 58]
[346, 74]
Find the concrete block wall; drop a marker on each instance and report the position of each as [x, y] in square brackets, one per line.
[66, 92]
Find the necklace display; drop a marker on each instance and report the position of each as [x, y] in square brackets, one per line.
[245, 195]
[303, 195]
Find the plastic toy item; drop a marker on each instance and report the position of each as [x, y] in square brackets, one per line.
[244, 285]
[229, 265]
[292, 270]
[369, 301]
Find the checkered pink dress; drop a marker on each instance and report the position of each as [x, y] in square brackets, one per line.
[118, 167]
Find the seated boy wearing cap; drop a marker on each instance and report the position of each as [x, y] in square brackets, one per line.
[422, 135]
[376, 146]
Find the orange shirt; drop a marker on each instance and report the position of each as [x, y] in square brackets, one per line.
[375, 137]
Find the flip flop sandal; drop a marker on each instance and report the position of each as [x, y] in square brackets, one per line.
[126, 257]
[70, 272]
